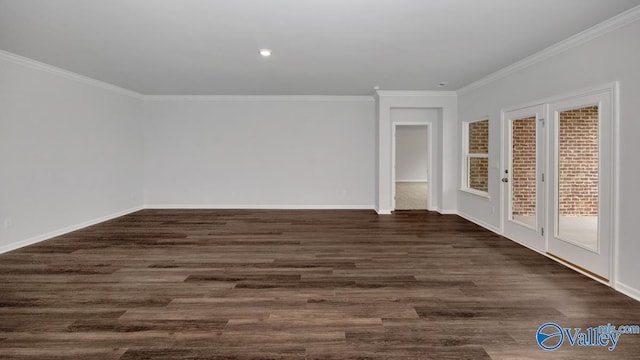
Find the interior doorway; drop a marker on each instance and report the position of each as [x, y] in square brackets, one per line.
[411, 167]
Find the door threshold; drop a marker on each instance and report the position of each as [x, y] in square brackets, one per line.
[579, 268]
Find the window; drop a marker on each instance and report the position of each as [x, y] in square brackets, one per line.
[476, 152]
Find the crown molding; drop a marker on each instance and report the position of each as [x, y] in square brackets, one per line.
[33, 64]
[605, 27]
[256, 98]
[381, 93]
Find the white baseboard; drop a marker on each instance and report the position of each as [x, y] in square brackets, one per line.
[479, 222]
[412, 180]
[258, 207]
[445, 212]
[65, 230]
[628, 290]
[438, 210]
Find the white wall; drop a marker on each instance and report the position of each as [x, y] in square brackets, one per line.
[71, 152]
[260, 152]
[613, 56]
[441, 113]
[412, 158]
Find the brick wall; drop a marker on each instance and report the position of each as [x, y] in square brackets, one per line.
[578, 186]
[523, 167]
[479, 144]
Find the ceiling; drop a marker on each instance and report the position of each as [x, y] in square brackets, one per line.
[320, 47]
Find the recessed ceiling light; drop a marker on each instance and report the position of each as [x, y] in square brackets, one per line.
[442, 84]
[265, 52]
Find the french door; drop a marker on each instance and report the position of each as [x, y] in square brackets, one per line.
[580, 181]
[522, 174]
[558, 179]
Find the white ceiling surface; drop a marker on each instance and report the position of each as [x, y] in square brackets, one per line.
[320, 47]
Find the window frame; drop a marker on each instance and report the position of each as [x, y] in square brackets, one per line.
[467, 156]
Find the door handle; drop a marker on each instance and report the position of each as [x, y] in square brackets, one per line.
[505, 180]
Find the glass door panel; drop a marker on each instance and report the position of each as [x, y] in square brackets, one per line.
[578, 164]
[523, 172]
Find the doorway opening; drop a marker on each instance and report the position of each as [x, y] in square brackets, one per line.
[411, 167]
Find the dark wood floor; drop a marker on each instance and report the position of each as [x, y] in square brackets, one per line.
[202, 284]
